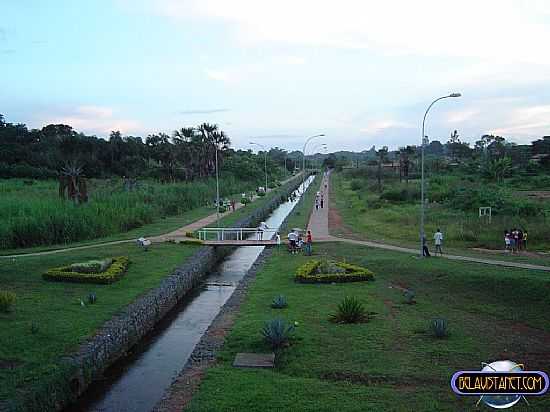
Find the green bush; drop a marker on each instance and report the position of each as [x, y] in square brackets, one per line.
[356, 184]
[245, 200]
[350, 310]
[7, 300]
[344, 272]
[111, 275]
[261, 194]
[277, 333]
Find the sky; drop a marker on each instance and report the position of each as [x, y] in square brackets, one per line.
[361, 72]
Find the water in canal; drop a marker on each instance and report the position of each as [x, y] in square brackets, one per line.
[137, 382]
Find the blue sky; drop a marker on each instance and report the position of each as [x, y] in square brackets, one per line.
[276, 72]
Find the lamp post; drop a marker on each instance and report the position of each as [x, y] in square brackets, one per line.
[304, 157]
[322, 146]
[422, 206]
[265, 161]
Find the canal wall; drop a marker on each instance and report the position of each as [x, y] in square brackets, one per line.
[125, 329]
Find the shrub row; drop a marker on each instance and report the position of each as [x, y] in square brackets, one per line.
[110, 275]
[307, 273]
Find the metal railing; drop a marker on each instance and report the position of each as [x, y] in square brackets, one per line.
[235, 233]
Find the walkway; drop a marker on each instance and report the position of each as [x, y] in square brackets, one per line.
[174, 235]
[318, 224]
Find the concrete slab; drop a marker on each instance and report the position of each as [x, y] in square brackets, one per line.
[254, 360]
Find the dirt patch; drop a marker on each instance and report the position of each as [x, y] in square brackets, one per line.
[336, 224]
[391, 308]
[371, 380]
[535, 194]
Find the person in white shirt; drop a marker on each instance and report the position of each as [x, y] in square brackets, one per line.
[438, 240]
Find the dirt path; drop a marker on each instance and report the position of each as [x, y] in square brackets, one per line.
[318, 221]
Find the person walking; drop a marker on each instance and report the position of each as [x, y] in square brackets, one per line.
[425, 251]
[507, 240]
[525, 239]
[309, 243]
[322, 200]
[438, 240]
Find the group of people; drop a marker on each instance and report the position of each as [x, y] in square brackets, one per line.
[297, 243]
[515, 240]
[319, 200]
[438, 243]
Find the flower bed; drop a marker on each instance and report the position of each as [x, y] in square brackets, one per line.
[111, 274]
[311, 272]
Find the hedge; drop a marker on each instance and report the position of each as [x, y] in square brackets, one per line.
[110, 275]
[353, 273]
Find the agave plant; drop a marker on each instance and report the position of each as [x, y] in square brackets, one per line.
[92, 298]
[279, 302]
[409, 296]
[277, 332]
[439, 327]
[350, 310]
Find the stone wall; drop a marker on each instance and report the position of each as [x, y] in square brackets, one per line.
[117, 336]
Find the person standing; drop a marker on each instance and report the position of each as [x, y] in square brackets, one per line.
[438, 240]
[322, 200]
[507, 240]
[309, 243]
[525, 239]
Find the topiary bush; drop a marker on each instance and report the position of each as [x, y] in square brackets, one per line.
[7, 300]
[350, 310]
[321, 271]
[66, 274]
[277, 333]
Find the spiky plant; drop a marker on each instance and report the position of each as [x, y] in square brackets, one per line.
[350, 310]
[409, 296]
[92, 298]
[439, 328]
[277, 332]
[279, 302]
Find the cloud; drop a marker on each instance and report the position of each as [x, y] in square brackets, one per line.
[380, 126]
[502, 30]
[3, 35]
[95, 119]
[203, 111]
[460, 116]
[526, 123]
[7, 51]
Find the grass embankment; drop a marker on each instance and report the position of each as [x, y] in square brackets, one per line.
[34, 215]
[366, 216]
[29, 359]
[229, 220]
[299, 217]
[390, 363]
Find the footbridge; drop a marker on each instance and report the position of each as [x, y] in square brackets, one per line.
[237, 236]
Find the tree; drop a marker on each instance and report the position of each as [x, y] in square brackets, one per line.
[382, 155]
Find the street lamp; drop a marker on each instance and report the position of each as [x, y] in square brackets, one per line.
[422, 173]
[322, 146]
[265, 161]
[304, 157]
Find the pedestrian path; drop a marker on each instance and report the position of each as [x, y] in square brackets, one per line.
[318, 220]
[318, 224]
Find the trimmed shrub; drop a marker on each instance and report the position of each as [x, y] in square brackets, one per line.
[312, 272]
[350, 310]
[112, 274]
[356, 184]
[277, 333]
[261, 194]
[245, 200]
[7, 300]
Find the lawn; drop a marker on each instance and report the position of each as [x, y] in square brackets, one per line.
[364, 217]
[56, 311]
[391, 363]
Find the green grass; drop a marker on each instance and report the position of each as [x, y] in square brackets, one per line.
[63, 323]
[390, 363]
[35, 216]
[231, 219]
[398, 224]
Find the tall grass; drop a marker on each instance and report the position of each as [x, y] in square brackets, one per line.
[35, 215]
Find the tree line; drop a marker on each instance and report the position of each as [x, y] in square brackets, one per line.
[189, 153]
